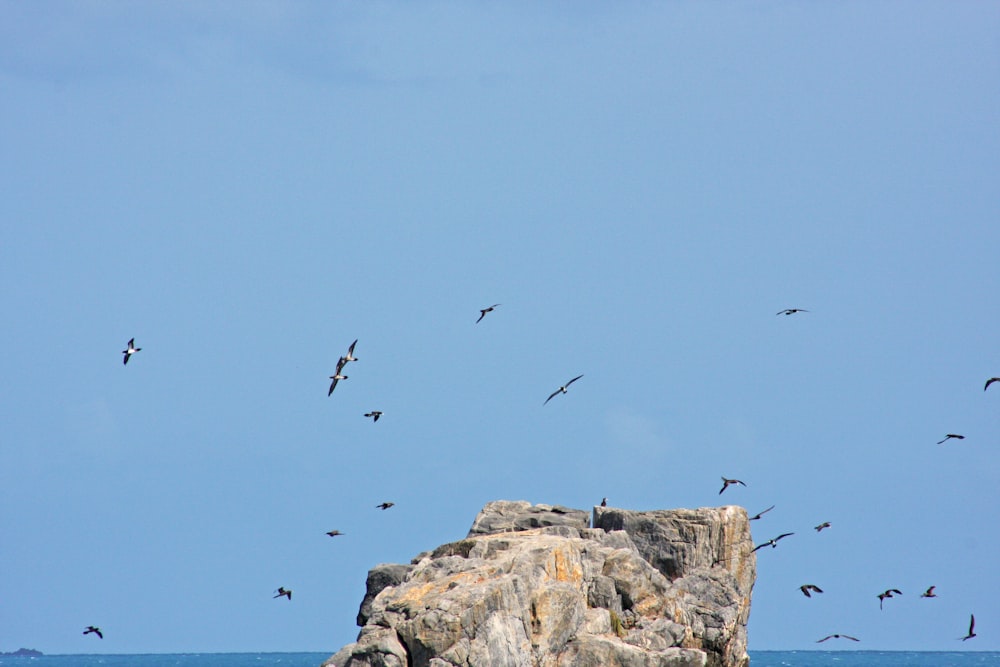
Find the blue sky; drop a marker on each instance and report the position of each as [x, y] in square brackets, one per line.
[246, 188]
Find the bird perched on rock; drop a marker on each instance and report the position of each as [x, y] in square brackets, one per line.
[130, 350]
[604, 502]
[483, 311]
[727, 482]
[760, 514]
[809, 587]
[929, 593]
[94, 629]
[773, 542]
[333, 533]
[374, 414]
[283, 592]
[950, 436]
[972, 627]
[888, 594]
[791, 311]
[853, 639]
[384, 506]
[989, 382]
[820, 527]
[562, 389]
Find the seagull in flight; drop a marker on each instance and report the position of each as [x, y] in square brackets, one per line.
[810, 587]
[929, 593]
[820, 527]
[336, 378]
[96, 630]
[791, 311]
[374, 414]
[761, 513]
[132, 349]
[727, 482]
[887, 594]
[853, 639]
[773, 542]
[347, 358]
[333, 533]
[284, 592]
[483, 311]
[562, 389]
[972, 627]
[950, 436]
[989, 382]
[384, 506]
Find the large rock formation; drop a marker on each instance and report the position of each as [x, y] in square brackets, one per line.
[534, 586]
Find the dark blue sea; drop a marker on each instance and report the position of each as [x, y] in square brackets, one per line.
[757, 659]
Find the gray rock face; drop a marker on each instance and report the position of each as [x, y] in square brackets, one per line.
[533, 587]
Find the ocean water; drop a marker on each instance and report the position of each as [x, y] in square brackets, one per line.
[757, 659]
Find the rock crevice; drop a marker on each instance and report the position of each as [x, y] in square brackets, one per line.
[536, 586]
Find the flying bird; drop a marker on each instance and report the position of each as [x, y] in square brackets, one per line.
[349, 357]
[96, 630]
[887, 594]
[483, 311]
[284, 592]
[132, 349]
[972, 627]
[791, 311]
[374, 414]
[562, 389]
[820, 527]
[989, 382]
[809, 587]
[333, 533]
[950, 436]
[761, 513]
[773, 542]
[727, 482]
[929, 593]
[853, 639]
[336, 378]
[384, 506]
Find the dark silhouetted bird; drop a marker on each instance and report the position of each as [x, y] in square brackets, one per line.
[853, 639]
[950, 436]
[727, 482]
[972, 627]
[809, 587]
[374, 414]
[483, 311]
[604, 502]
[887, 594]
[760, 514]
[820, 527]
[989, 382]
[130, 350]
[333, 533]
[929, 593]
[791, 311]
[385, 506]
[93, 628]
[284, 592]
[773, 542]
[562, 389]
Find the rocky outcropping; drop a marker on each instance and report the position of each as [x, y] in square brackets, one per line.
[534, 586]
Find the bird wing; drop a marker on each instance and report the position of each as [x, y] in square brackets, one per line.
[989, 382]
[333, 385]
[572, 381]
[482, 314]
[350, 350]
[127, 355]
[972, 623]
[805, 591]
[551, 395]
[817, 589]
[853, 639]
[820, 641]
[760, 546]
[782, 535]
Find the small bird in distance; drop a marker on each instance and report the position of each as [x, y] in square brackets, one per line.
[948, 437]
[820, 527]
[805, 588]
[760, 514]
[604, 502]
[374, 414]
[972, 627]
[130, 350]
[94, 629]
[726, 483]
[283, 592]
[773, 542]
[384, 506]
[853, 639]
[348, 357]
[333, 533]
[562, 389]
[929, 593]
[483, 311]
[791, 311]
[888, 594]
[336, 378]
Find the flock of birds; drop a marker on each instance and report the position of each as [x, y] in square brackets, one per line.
[806, 589]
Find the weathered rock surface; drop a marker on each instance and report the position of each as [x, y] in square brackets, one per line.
[533, 586]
